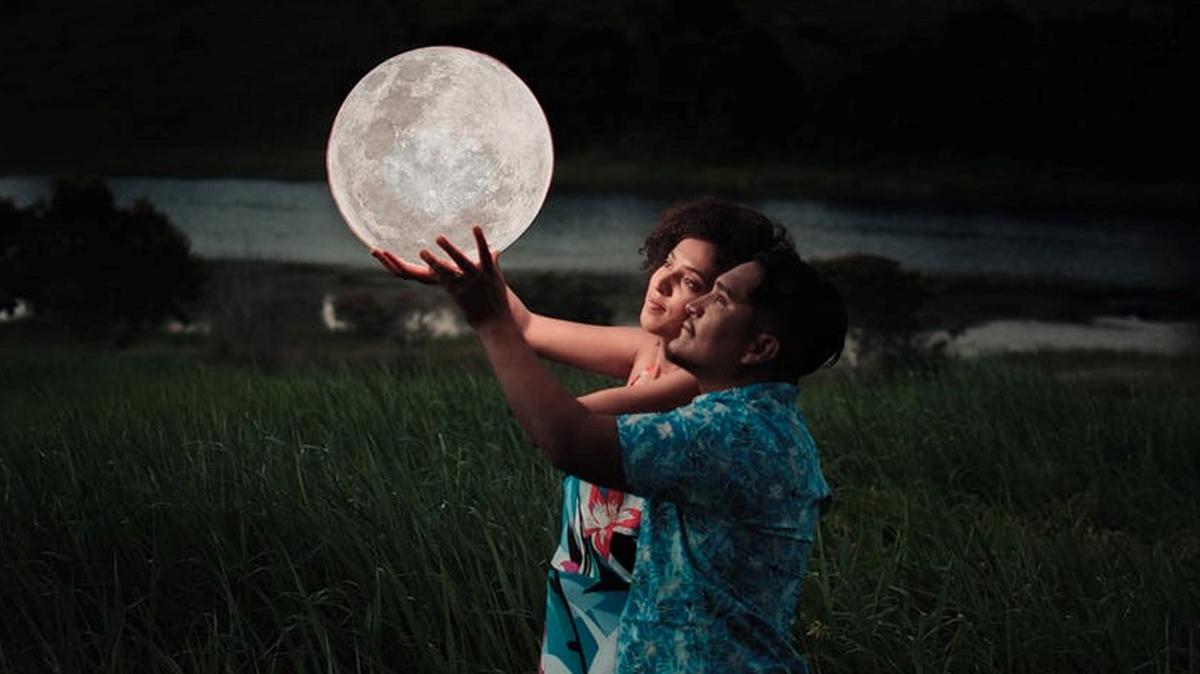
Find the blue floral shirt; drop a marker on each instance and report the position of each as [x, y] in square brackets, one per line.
[734, 490]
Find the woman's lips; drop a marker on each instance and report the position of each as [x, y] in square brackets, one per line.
[655, 306]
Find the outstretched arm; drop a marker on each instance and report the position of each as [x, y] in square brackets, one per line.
[575, 439]
[606, 349]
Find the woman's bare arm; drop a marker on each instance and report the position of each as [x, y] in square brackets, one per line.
[660, 395]
[608, 350]
[605, 349]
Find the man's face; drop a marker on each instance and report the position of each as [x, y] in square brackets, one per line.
[720, 326]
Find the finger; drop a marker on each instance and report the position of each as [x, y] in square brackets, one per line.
[487, 262]
[444, 271]
[457, 255]
[382, 257]
[390, 263]
[402, 269]
[409, 270]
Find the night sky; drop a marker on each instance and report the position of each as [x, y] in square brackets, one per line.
[1100, 88]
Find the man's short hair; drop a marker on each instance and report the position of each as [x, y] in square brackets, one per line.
[802, 309]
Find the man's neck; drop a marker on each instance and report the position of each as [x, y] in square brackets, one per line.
[710, 384]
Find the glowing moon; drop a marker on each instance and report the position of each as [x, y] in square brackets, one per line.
[432, 141]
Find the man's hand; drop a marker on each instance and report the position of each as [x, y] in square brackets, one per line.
[477, 288]
[573, 439]
[405, 270]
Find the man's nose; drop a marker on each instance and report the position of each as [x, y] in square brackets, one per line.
[693, 308]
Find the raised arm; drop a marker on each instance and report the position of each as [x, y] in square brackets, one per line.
[575, 439]
[606, 349]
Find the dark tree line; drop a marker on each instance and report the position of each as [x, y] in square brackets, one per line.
[79, 260]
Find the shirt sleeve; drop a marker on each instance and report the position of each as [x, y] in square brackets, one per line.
[682, 455]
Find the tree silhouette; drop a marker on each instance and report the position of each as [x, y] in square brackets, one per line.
[883, 301]
[79, 260]
[14, 229]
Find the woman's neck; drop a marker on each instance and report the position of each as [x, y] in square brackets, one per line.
[659, 362]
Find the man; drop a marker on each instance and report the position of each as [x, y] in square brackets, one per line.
[733, 483]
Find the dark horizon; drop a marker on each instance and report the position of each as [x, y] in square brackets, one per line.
[1098, 89]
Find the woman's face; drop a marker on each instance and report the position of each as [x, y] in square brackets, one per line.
[686, 274]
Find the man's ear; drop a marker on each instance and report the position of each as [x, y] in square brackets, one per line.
[762, 348]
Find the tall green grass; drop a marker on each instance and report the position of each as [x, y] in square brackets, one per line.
[167, 515]
[994, 519]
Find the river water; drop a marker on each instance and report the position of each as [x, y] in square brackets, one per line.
[298, 221]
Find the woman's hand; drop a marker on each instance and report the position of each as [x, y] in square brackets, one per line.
[477, 288]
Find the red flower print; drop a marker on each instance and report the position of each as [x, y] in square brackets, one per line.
[609, 511]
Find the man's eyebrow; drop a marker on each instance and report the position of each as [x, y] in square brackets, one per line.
[723, 288]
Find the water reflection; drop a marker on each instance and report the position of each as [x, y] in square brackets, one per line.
[262, 219]
[298, 222]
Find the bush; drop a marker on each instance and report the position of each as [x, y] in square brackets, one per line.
[80, 261]
[572, 297]
[882, 302]
[365, 314]
[14, 228]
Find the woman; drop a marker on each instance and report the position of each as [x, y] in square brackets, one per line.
[691, 244]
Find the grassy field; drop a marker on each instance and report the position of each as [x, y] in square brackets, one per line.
[170, 514]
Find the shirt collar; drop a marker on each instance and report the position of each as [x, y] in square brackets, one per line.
[780, 391]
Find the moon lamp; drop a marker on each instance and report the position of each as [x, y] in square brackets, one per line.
[435, 140]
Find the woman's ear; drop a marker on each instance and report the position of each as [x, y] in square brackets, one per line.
[762, 348]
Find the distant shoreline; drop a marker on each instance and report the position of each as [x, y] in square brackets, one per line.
[296, 312]
[953, 301]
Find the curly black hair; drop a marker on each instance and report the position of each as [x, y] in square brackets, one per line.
[737, 232]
